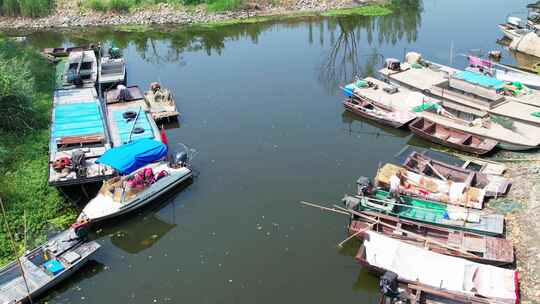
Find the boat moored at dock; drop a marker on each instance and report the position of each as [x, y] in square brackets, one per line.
[78, 137]
[44, 267]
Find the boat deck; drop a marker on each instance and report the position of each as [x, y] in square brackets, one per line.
[78, 124]
[121, 128]
[420, 78]
[402, 100]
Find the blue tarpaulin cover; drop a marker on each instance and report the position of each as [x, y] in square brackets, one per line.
[476, 78]
[53, 266]
[77, 119]
[130, 157]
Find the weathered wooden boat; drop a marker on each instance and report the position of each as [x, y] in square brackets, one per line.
[161, 103]
[492, 185]
[445, 191]
[471, 246]
[145, 177]
[452, 138]
[450, 279]
[44, 267]
[80, 70]
[124, 94]
[483, 166]
[78, 137]
[65, 51]
[378, 113]
[428, 212]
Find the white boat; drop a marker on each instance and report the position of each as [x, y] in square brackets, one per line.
[44, 267]
[513, 28]
[112, 69]
[80, 70]
[145, 177]
[507, 74]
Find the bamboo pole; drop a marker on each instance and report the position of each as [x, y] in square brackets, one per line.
[356, 233]
[324, 208]
[8, 231]
[421, 237]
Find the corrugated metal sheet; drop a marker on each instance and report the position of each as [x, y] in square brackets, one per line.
[124, 126]
[77, 119]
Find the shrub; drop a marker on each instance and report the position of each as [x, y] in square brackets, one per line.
[96, 5]
[224, 5]
[29, 8]
[120, 6]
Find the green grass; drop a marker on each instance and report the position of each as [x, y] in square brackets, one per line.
[368, 10]
[224, 5]
[29, 8]
[24, 160]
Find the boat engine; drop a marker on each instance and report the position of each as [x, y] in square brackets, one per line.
[364, 186]
[392, 64]
[78, 160]
[350, 202]
[389, 284]
[179, 159]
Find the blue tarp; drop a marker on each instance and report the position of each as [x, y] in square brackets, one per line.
[53, 266]
[476, 78]
[130, 157]
[124, 127]
[77, 119]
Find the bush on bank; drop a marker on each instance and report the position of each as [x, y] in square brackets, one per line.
[26, 78]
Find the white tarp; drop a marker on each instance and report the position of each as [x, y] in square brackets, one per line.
[433, 269]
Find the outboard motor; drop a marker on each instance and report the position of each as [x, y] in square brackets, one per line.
[389, 284]
[364, 186]
[179, 159]
[350, 202]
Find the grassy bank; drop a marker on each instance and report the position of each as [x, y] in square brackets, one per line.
[24, 134]
[123, 6]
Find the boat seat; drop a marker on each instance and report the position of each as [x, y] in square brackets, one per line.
[467, 140]
[429, 128]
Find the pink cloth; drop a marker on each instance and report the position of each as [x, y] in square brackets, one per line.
[475, 61]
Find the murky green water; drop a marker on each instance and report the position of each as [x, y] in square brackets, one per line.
[261, 104]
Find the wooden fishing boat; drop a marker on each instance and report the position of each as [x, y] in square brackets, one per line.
[447, 279]
[128, 94]
[44, 267]
[512, 32]
[146, 176]
[483, 166]
[428, 212]
[112, 71]
[492, 185]
[161, 103]
[471, 246]
[452, 138]
[445, 191]
[65, 51]
[378, 112]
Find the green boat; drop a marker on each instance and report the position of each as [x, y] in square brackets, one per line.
[429, 212]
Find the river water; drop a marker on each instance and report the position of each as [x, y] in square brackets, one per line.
[261, 104]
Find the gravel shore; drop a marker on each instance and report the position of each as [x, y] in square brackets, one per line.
[70, 17]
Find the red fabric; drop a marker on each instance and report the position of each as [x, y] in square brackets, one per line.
[163, 137]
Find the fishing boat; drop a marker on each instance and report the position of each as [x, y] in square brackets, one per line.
[112, 69]
[39, 270]
[452, 138]
[506, 74]
[513, 28]
[80, 70]
[161, 103]
[471, 246]
[426, 187]
[65, 51]
[78, 137]
[424, 211]
[446, 279]
[128, 116]
[421, 164]
[145, 176]
[482, 166]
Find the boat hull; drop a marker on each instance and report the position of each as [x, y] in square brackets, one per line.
[142, 201]
[387, 122]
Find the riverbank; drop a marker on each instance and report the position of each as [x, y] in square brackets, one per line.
[522, 209]
[33, 208]
[164, 13]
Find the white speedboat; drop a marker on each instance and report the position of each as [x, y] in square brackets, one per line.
[146, 175]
